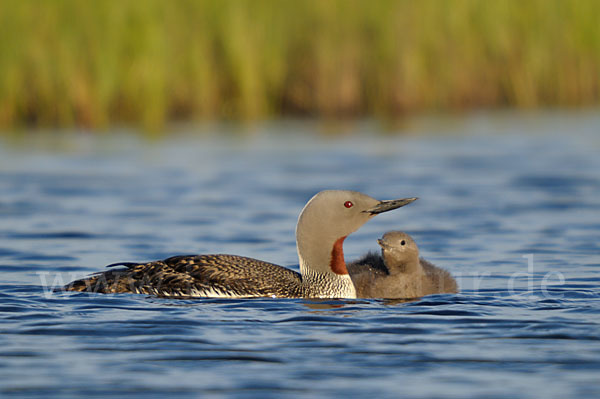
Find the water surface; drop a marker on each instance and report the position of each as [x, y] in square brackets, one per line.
[509, 204]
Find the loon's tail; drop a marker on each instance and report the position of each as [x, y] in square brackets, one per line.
[109, 282]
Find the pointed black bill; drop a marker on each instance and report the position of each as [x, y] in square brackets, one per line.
[382, 243]
[385, 206]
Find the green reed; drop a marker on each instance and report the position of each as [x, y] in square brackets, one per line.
[100, 63]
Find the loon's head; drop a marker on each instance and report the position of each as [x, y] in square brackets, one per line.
[399, 251]
[328, 218]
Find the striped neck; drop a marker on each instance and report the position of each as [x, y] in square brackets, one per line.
[325, 285]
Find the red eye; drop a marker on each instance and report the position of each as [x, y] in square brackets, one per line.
[348, 204]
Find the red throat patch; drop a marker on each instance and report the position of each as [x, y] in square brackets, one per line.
[338, 264]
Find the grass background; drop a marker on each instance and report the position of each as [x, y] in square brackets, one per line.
[95, 64]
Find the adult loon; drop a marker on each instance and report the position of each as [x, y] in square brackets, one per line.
[398, 272]
[326, 220]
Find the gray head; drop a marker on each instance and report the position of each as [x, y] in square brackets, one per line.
[399, 251]
[328, 218]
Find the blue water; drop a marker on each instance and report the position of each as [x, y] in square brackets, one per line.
[510, 204]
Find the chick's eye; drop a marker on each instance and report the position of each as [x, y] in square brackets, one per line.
[402, 242]
[348, 204]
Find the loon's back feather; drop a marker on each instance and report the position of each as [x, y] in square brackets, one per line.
[197, 276]
[372, 262]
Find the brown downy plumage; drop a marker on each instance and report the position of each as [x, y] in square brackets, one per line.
[398, 272]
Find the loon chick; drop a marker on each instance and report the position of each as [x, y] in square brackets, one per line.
[326, 220]
[398, 272]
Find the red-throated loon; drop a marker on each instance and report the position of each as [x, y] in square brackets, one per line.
[326, 220]
[398, 272]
